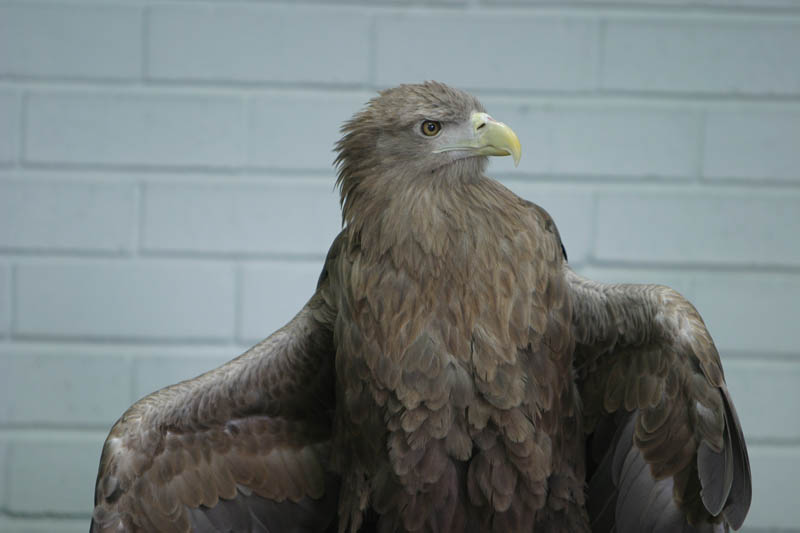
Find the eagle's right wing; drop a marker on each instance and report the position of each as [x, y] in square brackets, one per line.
[667, 451]
[243, 447]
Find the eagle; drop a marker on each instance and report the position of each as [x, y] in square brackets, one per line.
[451, 372]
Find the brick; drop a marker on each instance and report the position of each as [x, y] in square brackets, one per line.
[761, 387]
[571, 209]
[527, 52]
[159, 369]
[719, 227]
[66, 216]
[680, 281]
[613, 141]
[298, 131]
[75, 41]
[775, 473]
[732, 56]
[297, 216]
[9, 126]
[62, 386]
[135, 129]
[259, 44]
[759, 144]
[44, 525]
[625, 142]
[5, 299]
[750, 313]
[272, 293]
[52, 472]
[128, 300]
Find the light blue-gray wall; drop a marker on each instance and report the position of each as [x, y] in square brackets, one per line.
[166, 191]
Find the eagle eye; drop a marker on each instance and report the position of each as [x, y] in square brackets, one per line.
[431, 127]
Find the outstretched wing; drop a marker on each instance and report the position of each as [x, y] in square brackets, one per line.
[666, 451]
[243, 447]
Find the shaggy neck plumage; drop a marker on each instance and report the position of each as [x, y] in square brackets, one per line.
[425, 220]
[370, 185]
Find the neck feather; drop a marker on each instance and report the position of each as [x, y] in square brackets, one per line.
[432, 219]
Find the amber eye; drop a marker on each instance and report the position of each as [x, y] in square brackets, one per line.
[431, 127]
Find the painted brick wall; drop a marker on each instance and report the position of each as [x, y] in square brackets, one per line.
[166, 191]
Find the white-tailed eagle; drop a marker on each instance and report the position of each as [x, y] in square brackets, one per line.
[450, 373]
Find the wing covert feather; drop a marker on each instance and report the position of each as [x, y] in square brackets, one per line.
[647, 364]
[242, 447]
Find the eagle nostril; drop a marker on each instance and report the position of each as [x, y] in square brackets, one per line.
[482, 125]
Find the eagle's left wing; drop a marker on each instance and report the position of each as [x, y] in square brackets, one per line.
[244, 447]
[666, 451]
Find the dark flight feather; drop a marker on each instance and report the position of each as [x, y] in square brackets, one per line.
[688, 437]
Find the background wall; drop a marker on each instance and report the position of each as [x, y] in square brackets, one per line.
[166, 191]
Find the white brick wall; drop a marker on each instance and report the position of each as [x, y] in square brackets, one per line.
[252, 217]
[602, 139]
[293, 130]
[9, 126]
[5, 299]
[752, 144]
[526, 52]
[62, 387]
[61, 42]
[142, 128]
[752, 313]
[698, 225]
[303, 44]
[166, 191]
[170, 300]
[45, 463]
[720, 55]
[52, 215]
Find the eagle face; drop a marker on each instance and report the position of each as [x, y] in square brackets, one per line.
[424, 129]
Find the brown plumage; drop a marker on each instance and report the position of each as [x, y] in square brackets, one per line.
[451, 373]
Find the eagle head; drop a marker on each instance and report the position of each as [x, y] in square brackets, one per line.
[428, 131]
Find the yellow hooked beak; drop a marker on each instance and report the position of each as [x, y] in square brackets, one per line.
[488, 137]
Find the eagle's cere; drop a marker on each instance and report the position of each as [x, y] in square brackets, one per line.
[450, 373]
